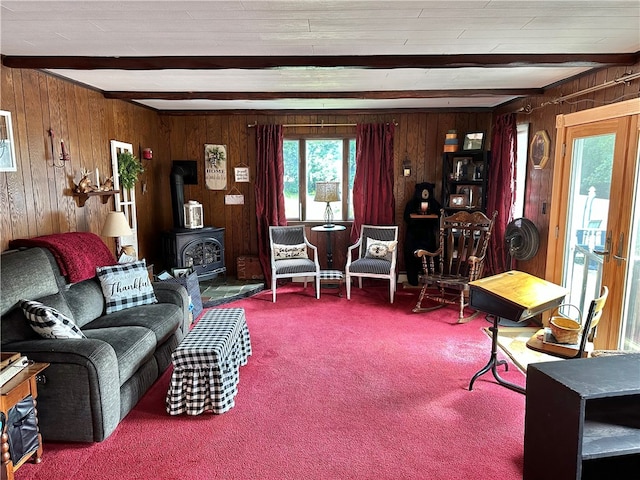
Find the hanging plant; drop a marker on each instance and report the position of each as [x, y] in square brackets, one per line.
[129, 167]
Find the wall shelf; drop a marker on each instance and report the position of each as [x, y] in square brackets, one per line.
[82, 197]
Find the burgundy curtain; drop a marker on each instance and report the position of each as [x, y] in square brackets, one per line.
[373, 200]
[269, 189]
[501, 194]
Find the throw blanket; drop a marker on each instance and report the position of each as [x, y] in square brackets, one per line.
[77, 253]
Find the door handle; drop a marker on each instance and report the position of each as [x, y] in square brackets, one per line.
[607, 251]
[618, 255]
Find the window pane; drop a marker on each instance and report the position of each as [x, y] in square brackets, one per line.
[352, 175]
[323, 164]
[522, 141]
[291, 153]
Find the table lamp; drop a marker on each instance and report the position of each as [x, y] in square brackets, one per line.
[116, 225]
[327, 192]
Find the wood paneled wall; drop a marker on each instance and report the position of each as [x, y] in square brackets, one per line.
[419, 136]
[36, 199]
[540, 113]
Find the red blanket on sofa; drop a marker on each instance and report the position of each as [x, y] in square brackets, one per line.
[77, 253]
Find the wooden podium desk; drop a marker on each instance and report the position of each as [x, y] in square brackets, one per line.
[515, 296]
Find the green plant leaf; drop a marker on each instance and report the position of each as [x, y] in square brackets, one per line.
[129, 167]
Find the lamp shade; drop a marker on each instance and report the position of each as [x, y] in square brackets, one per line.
[327, 192]
[116, 225]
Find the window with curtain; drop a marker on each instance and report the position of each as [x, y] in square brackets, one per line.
[308, 160]
[521, 168]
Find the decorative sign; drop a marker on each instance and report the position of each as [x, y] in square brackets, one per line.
[241, 174]
[234, 199]
[215, 166]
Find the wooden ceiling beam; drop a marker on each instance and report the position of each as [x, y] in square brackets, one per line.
[320, 61]
[384, 94]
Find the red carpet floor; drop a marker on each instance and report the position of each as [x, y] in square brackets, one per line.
[335, 389]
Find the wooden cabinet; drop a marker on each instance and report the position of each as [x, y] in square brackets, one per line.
[464, 181]
[11, 393]
[582, 418]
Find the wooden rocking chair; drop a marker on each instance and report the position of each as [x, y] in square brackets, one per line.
[459, 259]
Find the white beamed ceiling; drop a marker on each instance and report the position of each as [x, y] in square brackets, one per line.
[319, 28]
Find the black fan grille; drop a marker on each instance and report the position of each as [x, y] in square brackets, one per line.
[522, 239]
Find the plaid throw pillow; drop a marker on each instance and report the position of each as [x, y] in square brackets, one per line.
[49, 322]
[283, 252]
[126, 285]
[380, 249]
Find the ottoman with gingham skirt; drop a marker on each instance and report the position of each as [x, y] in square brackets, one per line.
[206, 364]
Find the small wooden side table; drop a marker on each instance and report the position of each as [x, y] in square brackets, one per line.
[329, 229]
[11, 393]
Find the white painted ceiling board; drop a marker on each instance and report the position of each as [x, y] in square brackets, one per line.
[319, 28]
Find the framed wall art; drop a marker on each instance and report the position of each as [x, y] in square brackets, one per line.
[7, 146]
[241, 173]
[215, 166]
[539, 149]
[473, 141]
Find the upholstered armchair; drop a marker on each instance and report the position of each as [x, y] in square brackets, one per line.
[290, 256]
[373, 256]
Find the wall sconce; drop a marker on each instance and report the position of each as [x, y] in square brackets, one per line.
[406, 166]
[147, 154]
[64, 154]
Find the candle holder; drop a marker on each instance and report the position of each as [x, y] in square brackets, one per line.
[64, 154]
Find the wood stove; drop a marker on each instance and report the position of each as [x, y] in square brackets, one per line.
[200, 249]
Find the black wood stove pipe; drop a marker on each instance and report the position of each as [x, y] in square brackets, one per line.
[177, 195]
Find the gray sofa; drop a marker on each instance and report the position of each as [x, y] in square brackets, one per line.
[92, 383]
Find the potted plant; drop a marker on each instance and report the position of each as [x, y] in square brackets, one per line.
[129, 167]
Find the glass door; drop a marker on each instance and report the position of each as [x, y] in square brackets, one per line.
[587, 215]
[592, 216]
[631, 311]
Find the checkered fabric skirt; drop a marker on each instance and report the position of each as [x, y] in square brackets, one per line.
[331, 275]
[206, 364]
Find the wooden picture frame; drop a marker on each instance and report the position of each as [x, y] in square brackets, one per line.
[539, 149]
[458, 200]
[241, 174]
[7, 145]
[473, 194]
[461, 168]
[473, 142]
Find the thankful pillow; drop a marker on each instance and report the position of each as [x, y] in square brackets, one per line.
[380, 249]
[283, 252]
[126, 285]
[49, 322]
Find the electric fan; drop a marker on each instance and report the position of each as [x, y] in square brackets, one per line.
[522, 240]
